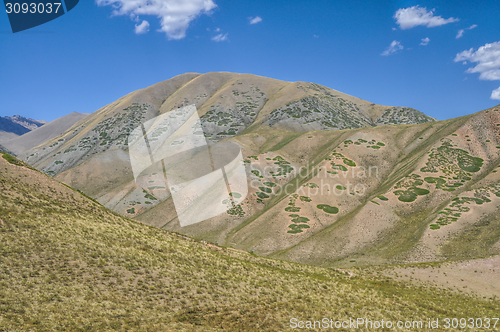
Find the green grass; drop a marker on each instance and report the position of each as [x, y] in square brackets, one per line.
[297, 228]
[262, 195]
[11, 159]
[349, 162]
[410, 194]
[257, 173]
[305, 199]
[14, 161]
[339, 167]
[382, 198]
[460, 205]
[328, 209]
[149, 196]
[408, 189]
[447, 156]
[300, 220]
[266, 190]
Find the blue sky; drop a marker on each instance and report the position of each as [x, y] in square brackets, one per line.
[90, 57]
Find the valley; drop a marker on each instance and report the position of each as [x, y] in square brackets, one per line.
[333, 180]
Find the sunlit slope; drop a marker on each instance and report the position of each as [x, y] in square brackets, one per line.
[387, 194]
[366, 193]
[67, 263]
[229, 104]
[93, 155]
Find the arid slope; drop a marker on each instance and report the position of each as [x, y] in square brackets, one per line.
[378, 184]
[68, 263]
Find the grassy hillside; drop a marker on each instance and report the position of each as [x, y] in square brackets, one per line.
[67, 263]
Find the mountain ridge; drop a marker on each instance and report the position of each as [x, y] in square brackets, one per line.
[17, 125]
[42, 134]
[27, 123]
[171, 94]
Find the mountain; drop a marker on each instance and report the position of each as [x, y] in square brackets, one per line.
[61, 253]
[378, 184]
[42, 134]
[16, 125]
[389, 194]
[9, 127]
[27, 123]
[229, 104]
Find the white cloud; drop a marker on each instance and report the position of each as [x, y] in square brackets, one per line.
[393, 48]
[220, 37]
[461, 31]
[487, 58]
[411, 17]
[425, 41]
[142, 28]
[175, 15]
[495, 94]
[255, 20]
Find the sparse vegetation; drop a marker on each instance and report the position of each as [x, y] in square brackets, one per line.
[11, 159]
[459, 205]
[281, 143]
[382, 198]
[328, 209]
[262, 195]
[410, 188]
[116, 274]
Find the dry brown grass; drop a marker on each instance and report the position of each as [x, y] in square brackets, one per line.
[69, 264]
